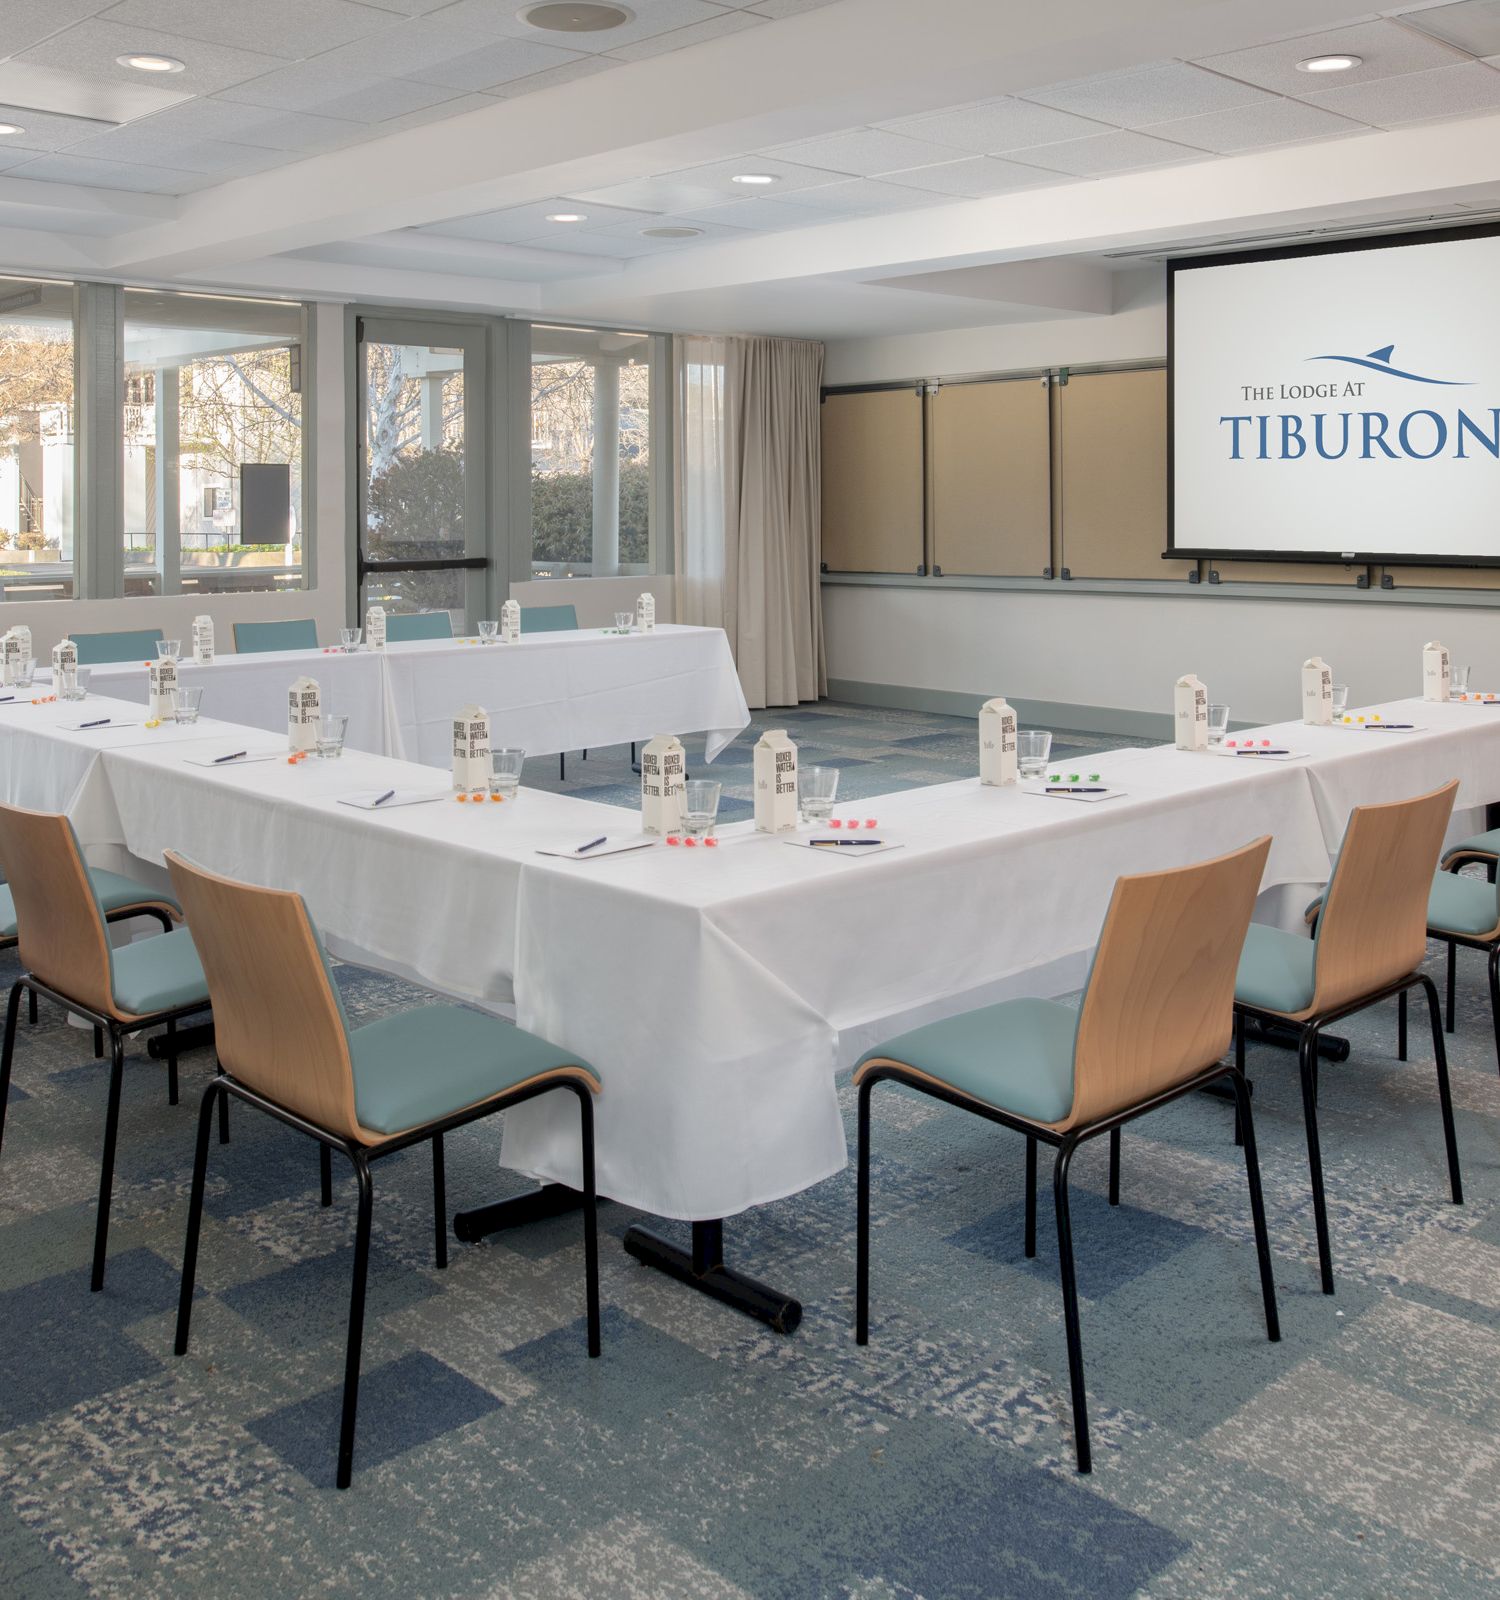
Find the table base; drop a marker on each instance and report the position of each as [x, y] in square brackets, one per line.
[196, 1037]
[551, 1200]
[702, 1268]
[1284, 1035]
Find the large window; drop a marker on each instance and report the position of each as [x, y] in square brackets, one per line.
[591, 436]
[213, 443]
[36, 440]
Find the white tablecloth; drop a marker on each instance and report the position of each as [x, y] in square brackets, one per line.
[547, 693]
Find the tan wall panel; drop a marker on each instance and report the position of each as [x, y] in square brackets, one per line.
[872, 481]
[989, 487]
[1113, 448]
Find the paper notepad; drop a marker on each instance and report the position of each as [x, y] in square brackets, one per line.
[239, 761]
[845, 852]
[1247, 755]
[1092, 798]
[1379, 727]
[98, 724]
[365, 800]
[610, 847]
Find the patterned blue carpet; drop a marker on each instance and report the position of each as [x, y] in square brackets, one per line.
[702, 1457]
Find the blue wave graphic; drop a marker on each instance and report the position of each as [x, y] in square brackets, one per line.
[1380, 361]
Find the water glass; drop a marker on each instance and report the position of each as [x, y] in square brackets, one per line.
[816, 790]
[624, 621]
[1218, 722]
[700, 808]
[1033, 747]
[505, 772]
[332, 726]
[1458, 680]
[168, 649]
[74, 684]
[25, 672]
[488, 631]
[1340, 699]
[349, 640]
[186, 704]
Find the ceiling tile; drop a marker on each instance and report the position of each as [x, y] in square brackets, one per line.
[632, 231]
[1385, 49]
[788, 8]
[1156, 94]
[42, 131]
[1122, 151]
[1472, 25]
[1417, 96]
[760, 216]
[1256, 127]
[973, 178]
[88, 50]
[212, 118]
[311, 86]
[864, 152]
[652, 17]
[291, 28]
[14, 158]
[28, 22]
[112, 175]
[579, 67]
[661, 44]
[996, 126]
[718, 176]
[141, 144]
[655, 194]
[516, 224]
[857, 195]
[428, 50]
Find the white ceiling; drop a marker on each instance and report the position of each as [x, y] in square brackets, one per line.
[416, 149]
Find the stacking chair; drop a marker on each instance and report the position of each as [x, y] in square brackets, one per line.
[100, 649]
[253, 638]
[286, 1048]
[418, 625]
[555, 619]
[1464, 911]
[1369, 939]
[66, 954]
[1155, 1019]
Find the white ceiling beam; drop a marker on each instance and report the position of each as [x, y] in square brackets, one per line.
[1069, 288]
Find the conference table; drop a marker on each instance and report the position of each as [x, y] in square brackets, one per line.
[720, 991]
[546, 693]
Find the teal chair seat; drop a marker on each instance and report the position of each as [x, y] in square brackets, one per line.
[158, 974]
[1455, 904]
[251, 638]
[113, 892]
[1482, 844]
[99, 649]
[418, 625]
[425, 1064]
[1276, 970]
[1016, 1056]
[548, 619]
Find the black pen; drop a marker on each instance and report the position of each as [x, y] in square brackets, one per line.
[390, 794]
[99, 724]
[235, 757]
[1080, 789]
[1263, 752]
[1387, 727]
[846, 842]
[592, 844]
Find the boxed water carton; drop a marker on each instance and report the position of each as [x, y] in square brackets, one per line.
[663, 785]
[304, 711]
[1437, 668]
[64, 664]
[510, 622]
[161, 681]
[375, 627]
[1317, 693]
[775, 783]
[645, 612]
[997, 743]
[203, 640]
[1190, 713]
[471, 750]
[17, 651]
[10, 657]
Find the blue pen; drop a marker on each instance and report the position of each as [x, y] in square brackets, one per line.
[846, 843]
[99, 724]
[238, 754]
[381, 800]
[592, 844]
[1263, 752]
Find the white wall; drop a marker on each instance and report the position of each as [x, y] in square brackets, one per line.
[597, 599]
[1116, 651]
[50, 620]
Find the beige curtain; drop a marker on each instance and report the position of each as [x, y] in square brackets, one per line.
[749, 493]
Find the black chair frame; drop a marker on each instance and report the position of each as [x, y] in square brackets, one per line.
[360, 1158]
[1454, 862]
[124, 914]
[1308, 1029]
[117, 1032]
[1066, 1145]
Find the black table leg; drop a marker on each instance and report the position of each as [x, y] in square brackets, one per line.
[194, 1037]
[1285, 1036]
[551, 1200]
[703, 1268]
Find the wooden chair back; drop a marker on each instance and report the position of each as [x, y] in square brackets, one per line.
[1372, 929]
[278, 1024]
[1159, 1005]
[59, 925]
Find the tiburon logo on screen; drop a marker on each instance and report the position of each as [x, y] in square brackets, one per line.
[1421, 434]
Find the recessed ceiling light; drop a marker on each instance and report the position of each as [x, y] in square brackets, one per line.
[575, 17]
[1329, 63]
[144, 61]
[11, 127]
[567, 216]
[753, 177]
[670, 233]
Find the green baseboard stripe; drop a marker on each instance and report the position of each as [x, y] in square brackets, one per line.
[1057, 714]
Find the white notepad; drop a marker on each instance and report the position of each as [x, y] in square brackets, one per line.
[239, 761]
[1105, 793]
[1379, 727]
[610, 847]
[366, 798]
[845, 852]
[98, 724]
[1248, 754]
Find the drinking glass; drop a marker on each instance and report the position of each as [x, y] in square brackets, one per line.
[75, 684]
[168, 649]
[700, 810]
[1032, 750]
[487, 632]
[25, 672]
[1218, 722]
[1340, 699]
[349, 640]
[505, 772]
[816, 789]
[1458, 680]
[624, 621]
[332, 726]
[186, 704]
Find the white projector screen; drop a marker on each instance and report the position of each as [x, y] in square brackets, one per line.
[1338, 402]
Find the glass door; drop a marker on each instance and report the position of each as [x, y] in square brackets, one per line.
[422, 492]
